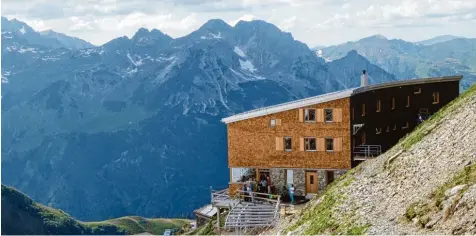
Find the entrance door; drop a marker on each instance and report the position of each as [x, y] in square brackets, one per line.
[311, 182]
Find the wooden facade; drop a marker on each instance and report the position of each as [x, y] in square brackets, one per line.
[255, 143]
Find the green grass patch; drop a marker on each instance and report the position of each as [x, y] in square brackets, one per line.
[27, 217]
[467, 176]
[426, 127]
[320, 217]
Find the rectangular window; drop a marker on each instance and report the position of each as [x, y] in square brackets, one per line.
[417, 91]
[378, 130]
[393, 103]
[311, 179]
[408, 101]
[363, 109]
[289, 177]
[273, 122]
[379, 105]
[329, 144]
[239, 174]
[328, 113]
[288, 144]
[436, 97]
[310, 144]
[310, 115]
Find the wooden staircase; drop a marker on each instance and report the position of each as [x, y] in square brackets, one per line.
[263, 211]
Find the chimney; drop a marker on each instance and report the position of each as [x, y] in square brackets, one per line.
[364, 80]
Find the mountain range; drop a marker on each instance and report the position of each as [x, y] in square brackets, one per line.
[434, 57]
[132, 127]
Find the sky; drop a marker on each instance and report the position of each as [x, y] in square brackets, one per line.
[314, 22]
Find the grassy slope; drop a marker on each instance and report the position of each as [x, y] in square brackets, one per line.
[21, 215]
[319, 217]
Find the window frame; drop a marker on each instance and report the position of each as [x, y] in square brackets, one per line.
[291, 143]
[379, 105]
[406, 126]
[393, 103]
[363, 109]
[306, 110]
[436, 97]
[271, 123]
[305, 144]
[408, 101]
[325, 115]
[418, 91]
[326, 139]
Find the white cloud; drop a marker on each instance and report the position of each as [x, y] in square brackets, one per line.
[247, 17]
[315, 22]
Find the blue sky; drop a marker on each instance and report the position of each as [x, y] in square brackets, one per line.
[315, 22]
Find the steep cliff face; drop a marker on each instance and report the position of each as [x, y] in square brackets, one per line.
[425, 184]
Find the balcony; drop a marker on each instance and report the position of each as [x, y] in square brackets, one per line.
[365, 152]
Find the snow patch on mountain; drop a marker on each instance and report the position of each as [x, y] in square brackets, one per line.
[212, 36]
[247, 65]
[238, 51]
[22, 30]
[137, 62]
[87, 52]
[4, 76]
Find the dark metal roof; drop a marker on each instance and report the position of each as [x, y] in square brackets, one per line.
[407, 82]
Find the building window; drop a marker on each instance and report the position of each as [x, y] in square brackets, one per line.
[310, 144]
[329, 144]
[406, 126]
[363, 109]
[310, 115]
[288, 144]
[328, 114]
[240, 174]
[273, 122]
[393, 103]
[436, 97]
[364, 139]
[289, 177]
[408, 101]
[424, 111]
[379, 105]
[417, 91]
[378, 130]
[311, 179]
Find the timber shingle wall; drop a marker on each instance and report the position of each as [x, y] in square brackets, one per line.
[253, 142]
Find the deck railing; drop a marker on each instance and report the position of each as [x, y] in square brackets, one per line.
[363, 152]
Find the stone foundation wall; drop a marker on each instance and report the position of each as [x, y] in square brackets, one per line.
[299, 182]
[278, 178]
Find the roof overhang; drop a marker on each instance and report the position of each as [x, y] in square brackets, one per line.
[289, 106]
[408, 82]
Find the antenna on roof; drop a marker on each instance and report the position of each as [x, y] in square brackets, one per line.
[364, 80]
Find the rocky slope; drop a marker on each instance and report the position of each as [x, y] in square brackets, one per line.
[426, 184]
[133, 127]
[21, 215]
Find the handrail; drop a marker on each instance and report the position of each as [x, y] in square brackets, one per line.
[367, 151]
